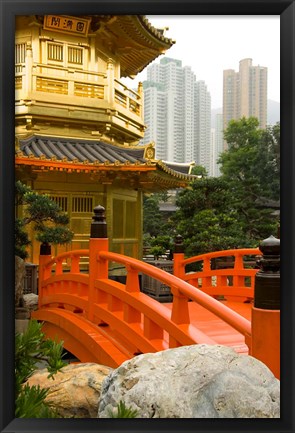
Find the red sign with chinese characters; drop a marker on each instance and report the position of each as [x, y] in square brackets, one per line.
[65, 24]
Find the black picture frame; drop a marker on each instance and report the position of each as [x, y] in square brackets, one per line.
[10, 8]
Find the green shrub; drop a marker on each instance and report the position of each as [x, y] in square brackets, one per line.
[32, 348]
[122, 411]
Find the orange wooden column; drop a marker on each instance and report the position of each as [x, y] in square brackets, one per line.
[178, 258]
[266, 310]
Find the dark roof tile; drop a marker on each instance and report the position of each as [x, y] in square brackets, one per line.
[180, 168]
[96, 152]
[81, 150]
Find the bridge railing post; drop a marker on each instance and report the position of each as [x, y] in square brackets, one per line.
[180, 312]
[45, 254]
[98, 268]
[178, 258]
[265, 341]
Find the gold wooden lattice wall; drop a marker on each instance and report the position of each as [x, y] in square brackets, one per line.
[62, 202]
[89, 90]
[51, 85]
[82, 204]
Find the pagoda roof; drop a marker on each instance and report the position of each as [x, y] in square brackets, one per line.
[181, 167]
[133, 38]
[75, 150]
[44, 153]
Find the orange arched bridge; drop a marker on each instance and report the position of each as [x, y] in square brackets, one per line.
[105, 321]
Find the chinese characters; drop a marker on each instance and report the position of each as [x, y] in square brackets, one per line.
[67, 24]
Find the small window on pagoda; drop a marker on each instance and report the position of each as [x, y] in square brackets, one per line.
[75, 55]
[55, 52]
[20, 55]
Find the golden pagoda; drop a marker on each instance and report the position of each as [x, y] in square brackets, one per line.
[78, 125]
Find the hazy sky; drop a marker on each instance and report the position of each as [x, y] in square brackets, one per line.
[210, 44]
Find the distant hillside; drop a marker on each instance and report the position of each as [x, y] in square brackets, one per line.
[273, 113]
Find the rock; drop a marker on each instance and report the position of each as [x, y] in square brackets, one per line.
[20, 272]
[198, 381]
[75, 390]
[30, 301]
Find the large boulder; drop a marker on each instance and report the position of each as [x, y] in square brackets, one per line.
[75, 389]
[198, 381]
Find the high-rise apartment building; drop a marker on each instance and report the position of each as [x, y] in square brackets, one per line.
[216, 144]
[245, 93]
[203, 126]
[177, 113]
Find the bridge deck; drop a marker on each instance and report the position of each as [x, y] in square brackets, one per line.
[216, 328]
[202, 319]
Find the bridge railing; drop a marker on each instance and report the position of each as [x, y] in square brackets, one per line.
[181, 290]
[228, 274]
[100, 298]
[143, 320]
[51, 271]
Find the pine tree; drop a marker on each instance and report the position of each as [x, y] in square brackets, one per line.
[48, 220]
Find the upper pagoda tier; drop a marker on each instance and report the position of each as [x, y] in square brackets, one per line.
[69, 70]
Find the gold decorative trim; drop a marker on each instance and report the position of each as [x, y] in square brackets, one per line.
[149, 152]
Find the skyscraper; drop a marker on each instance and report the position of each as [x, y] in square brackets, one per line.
[245, 93]
[177, 113]
[203, 126]
[216, 143]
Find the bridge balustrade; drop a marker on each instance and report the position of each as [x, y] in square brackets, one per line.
[219, 277]
[107, 321]
[122, 306]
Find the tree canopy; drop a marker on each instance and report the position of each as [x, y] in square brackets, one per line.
[206, 218]
[252, 161]
[236, 209]
[152, 217]
[251, 167]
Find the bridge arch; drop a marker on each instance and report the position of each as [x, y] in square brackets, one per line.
[80, 337]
